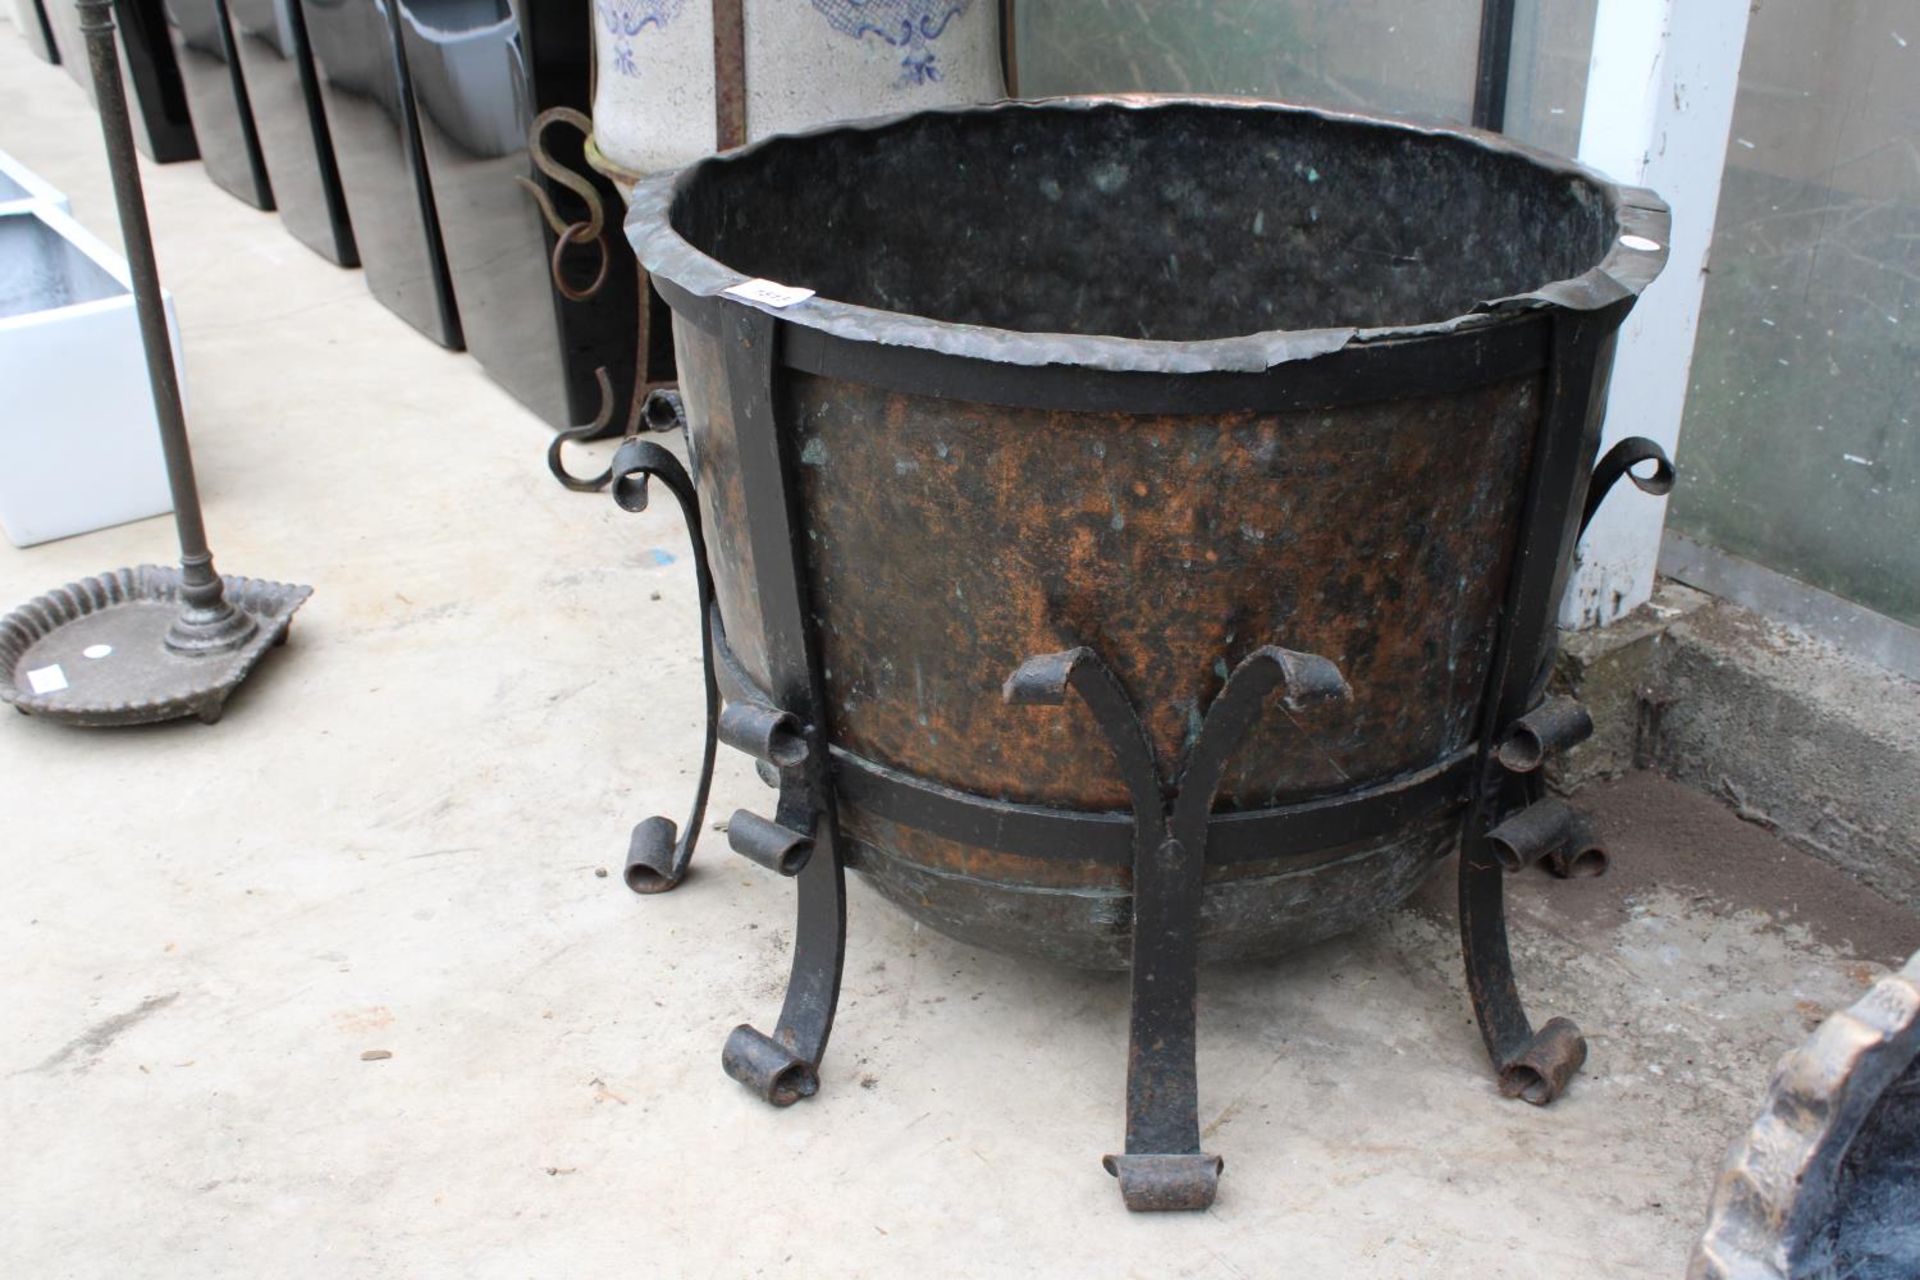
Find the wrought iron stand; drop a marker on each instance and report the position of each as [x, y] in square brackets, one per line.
[1509, 824]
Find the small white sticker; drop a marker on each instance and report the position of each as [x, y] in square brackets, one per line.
[1641, 243]
[96, 651]
[47, 679]
[770, 292]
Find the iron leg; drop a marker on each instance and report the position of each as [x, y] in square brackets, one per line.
[658, 852]
[785, 1067]
[1532, 1065]
[1163, 1167]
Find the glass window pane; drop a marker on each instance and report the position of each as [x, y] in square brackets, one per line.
[1364, 55]
[1359, 55]
[1799, 448]
[1552, 43]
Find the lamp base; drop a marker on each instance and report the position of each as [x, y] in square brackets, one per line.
[97, 652]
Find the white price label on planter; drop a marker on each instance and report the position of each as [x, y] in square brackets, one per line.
[47, 679]
[770, 292]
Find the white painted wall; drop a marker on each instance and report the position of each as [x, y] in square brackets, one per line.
[1659, 107]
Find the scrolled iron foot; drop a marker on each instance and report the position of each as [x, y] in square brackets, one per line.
[1532, 1065]
[799, 843]
[1163, 1168]
[1540, 1071]
[1166, 1183]
[656, 860]
[770, 1069]
[658, 852]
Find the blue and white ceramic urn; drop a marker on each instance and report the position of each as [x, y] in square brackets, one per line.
[807, 62]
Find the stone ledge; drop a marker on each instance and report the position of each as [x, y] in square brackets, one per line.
[1790, 732]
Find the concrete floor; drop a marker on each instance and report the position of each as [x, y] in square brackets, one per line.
[393, 842]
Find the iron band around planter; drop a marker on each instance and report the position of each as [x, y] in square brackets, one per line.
[1076, 835]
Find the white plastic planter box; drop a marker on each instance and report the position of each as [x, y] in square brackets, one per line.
[79, 446]
[21, 187]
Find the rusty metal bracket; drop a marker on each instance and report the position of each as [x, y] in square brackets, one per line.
[590, 230]
[1546, 832]
[658, 853]
[651, 406]
[753, 728]
[1163, 1167]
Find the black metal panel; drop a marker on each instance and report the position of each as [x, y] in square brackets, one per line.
[1495, 63]
[270, 47]
[30, 18]
[376, 140]
[556, 38]
[157, 101]
[164, 122]
[217, 92]
[478, 81]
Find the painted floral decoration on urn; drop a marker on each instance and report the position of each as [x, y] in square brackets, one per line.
[625, 19]
[908, 25]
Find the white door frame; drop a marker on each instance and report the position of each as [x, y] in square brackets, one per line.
[1659, 112]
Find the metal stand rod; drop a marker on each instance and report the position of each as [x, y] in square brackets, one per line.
[208, 622]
